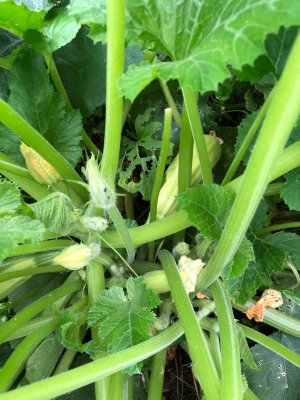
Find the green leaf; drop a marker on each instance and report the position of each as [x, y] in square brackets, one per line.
[271, 254]
[81, 66]
[140, 157]
[244, 287]
[57, 31]
[208, 207]
[10, 46]
[69, 335]
[10, 197]
[36, 5]
[91, 13]
[124, 319]
[201, 38]
[18, 18]
[243, 256]
[42, 362]
[275, 248]
[32, 97]
[277, 378]
[56, 212]
[290, 191]
[21, 229]
[278, 47]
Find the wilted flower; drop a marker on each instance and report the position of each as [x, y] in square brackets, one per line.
[38, 167]
[101, 193]
[189, 270]
[270, 298]
[77, 256]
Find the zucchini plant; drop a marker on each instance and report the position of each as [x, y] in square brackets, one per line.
[149, 197]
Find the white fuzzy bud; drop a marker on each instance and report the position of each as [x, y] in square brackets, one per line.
[98, 224]
[77, 256]
[102, 195]
[181, 249]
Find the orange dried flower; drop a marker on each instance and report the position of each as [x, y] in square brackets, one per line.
[270, 298]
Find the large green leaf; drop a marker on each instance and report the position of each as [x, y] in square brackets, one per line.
[81, 65]
[124, 319]
[18, 18]
[208, 207]
[91, 13]
[140, 157]
[202, 37]
[276, 378]
[57, 31]
[270, 253]
[32, 96]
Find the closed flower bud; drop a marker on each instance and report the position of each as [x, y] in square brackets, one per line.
[38, 167]
[97, 224]
[181, 249]
[102, 195]
[77, 256]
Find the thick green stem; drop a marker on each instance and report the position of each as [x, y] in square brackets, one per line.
[63, 383]
[171, 102]
[30, 272]
[203, 364]
[117, 382]
[114, 103]
[278, 227]
[96, 283]
[190, 100]
[215, 349]
[280, 120]
[13, 120]
[16, 362]
[247, 141]
[34, 308]
[123, 231]
[48, 245]
[156, 382]
[231, 377]
[185, 154]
